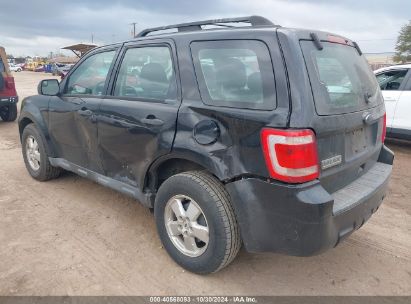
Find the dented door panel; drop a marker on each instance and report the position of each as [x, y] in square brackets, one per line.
[128, 141]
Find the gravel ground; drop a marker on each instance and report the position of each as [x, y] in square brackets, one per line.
[71, 236]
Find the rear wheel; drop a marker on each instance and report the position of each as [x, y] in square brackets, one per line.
[35, 155]
[196, 222]
[8, 113]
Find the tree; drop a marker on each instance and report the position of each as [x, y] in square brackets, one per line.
[403, 46]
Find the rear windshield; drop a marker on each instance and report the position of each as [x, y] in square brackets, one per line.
[235, 73]
[341, 79]
[2, 67]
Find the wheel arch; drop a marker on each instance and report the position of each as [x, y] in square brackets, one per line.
[27, 118]
[172, 164]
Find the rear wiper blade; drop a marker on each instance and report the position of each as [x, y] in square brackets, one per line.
[316, 41]
[357, 47]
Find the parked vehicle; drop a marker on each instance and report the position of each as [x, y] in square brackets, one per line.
[61, 70]
[8, 94]
[395, 84]
[40, 68]
[56, 68]
[262, 135]
[15, 68]
[64, 70]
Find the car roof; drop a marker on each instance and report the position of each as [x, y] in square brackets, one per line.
[394, 67]
[200, 30]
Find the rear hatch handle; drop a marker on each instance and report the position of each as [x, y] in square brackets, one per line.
[368, 118]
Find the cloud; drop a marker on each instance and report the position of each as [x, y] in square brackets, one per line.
[38, 45]
[375, 30]
[47, 25]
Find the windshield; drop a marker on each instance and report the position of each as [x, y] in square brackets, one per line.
[341, 79]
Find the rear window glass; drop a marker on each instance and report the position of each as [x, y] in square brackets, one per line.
[2, 67]
[235, 73]
[341, 79]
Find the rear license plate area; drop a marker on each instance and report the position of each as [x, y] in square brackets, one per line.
[356, 142]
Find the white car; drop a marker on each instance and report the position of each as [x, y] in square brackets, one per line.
[15, 68]
[395, 83]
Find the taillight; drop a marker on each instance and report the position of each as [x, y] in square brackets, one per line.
[384, 128]
[336, 39]
[291, 155]
[9, 81]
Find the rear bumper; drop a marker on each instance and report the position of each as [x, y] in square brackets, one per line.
[6, 101]
[305, 220]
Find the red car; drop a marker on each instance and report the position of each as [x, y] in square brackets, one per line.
[8, 93]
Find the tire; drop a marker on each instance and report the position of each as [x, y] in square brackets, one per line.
[206, 193]
[18, 70]
[8, 113]
[45, 171]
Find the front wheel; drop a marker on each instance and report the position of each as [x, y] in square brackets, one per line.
[36, 156]
[8, 113]
[196, 222]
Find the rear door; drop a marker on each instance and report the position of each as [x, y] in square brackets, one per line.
[349, 110]
[402, 116]
[137, 122]
[7, 86]
[392, 85]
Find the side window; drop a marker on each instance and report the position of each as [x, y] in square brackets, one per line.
[2, 67]
[407, 87]
[147, 73]
[235, 73]
[90, 77]
[391, 80]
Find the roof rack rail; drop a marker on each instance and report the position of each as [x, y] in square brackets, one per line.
[255, 21]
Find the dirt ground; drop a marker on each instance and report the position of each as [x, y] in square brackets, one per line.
[71, 236]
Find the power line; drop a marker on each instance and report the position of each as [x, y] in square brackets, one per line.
[381, 39]
[134, 28]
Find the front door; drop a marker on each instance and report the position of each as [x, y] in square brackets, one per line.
[73, 120]
[138, 122]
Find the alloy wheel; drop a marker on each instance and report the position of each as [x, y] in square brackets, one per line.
[186, 225]
[33, 153]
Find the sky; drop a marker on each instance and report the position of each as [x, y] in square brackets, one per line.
[43, 26]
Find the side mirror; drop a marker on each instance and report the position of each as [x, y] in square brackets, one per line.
[48, 87]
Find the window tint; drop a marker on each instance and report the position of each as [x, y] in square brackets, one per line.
[90, 77]
[391, 80]
[341, 79]
[235, 73]
[146, 72]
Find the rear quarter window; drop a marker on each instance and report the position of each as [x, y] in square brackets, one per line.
[235, 73]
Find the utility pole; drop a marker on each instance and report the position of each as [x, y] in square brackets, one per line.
[134, 28]
[92, 38]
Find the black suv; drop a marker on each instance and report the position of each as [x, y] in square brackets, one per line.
[233, 130]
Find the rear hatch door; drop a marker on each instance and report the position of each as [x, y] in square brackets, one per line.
[7, 86]
[349, 109]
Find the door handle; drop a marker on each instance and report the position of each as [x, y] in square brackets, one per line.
[88, 113]
[152, 120]
[390, 98]
[85, 112]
